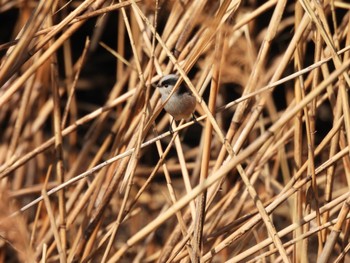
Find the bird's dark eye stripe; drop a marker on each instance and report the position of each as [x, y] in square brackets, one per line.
[171, 82]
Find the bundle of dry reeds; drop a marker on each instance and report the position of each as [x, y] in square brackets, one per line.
[90, 171]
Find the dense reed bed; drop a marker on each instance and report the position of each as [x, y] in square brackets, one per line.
[90, 171]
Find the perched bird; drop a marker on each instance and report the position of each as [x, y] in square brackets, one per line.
[182, 103]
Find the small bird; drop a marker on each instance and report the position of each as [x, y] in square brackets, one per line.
[182, 103]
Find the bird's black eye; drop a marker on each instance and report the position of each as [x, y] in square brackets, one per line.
[166, 85]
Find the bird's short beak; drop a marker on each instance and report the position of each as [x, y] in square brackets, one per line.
[154, 85]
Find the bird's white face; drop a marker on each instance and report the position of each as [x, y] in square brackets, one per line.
[166, 84]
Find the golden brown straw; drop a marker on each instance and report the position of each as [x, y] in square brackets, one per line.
[91, 172]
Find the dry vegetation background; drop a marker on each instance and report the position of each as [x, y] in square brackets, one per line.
[90, 172]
